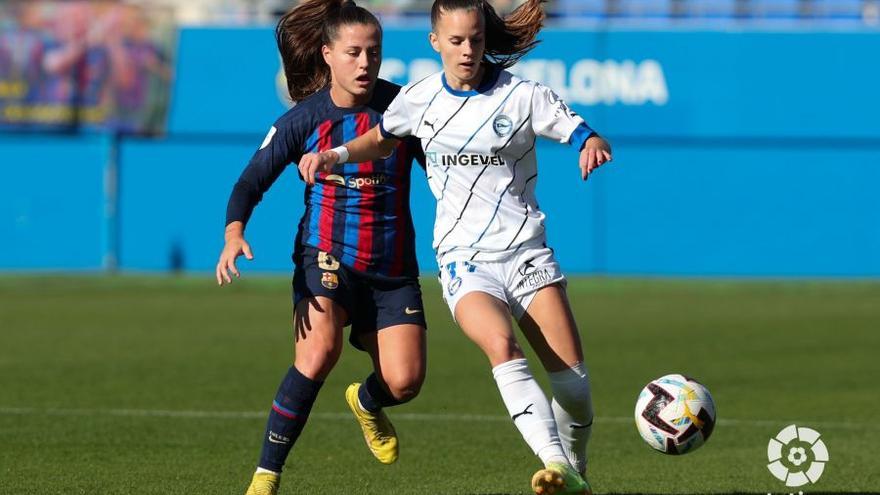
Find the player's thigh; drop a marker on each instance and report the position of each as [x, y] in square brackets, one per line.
[390, 325]
[318, 323]
[321, 309]
[476, 296]
[399, 355]
[548, 324]
[485, 319]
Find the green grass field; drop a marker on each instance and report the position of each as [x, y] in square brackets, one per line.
[137, 385]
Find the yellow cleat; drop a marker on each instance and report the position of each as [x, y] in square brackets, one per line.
[559, 479]
[378, 431]
[264, 484]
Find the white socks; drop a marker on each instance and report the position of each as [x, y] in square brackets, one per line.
[573, 410]
[529, 409]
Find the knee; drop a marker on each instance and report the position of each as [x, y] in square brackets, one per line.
[502, 350]
[317, 362]
[405, 387]
[318, 335]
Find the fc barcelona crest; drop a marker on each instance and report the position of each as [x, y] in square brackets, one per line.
[330, 280]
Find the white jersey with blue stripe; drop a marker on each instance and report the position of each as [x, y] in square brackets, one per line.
[480, 155]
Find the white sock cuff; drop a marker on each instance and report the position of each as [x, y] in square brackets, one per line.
[575, 373]
[571, 389]
[512, 366]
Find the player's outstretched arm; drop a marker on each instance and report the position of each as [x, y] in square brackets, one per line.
[368, 146]
[596, 152]
[235, 247]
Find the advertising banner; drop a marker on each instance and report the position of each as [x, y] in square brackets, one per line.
[638, 85]
[84, 65]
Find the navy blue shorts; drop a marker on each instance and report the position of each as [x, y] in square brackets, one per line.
[370, 302]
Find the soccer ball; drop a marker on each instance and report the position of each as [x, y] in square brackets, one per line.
[675, 414]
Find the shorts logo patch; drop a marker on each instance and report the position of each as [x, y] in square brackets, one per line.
[409, 311]
[535, 279]
[327, 261]
[330, 280]
[454, 285]
[527, 267]
[502, 125]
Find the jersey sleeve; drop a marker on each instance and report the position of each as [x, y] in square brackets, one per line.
[397, 120]
[415, 148]
[282, 145]
[553, 119]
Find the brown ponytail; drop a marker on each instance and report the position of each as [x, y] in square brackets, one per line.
[508, 39]
[303, 31]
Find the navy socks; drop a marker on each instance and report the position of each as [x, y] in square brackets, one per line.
[290, 410]
[373, 397]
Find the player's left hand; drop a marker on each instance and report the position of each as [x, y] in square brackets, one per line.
[596, 152]
[312, 163]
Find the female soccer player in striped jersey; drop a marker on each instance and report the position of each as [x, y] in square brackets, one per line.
[354, 252]
[478, 124]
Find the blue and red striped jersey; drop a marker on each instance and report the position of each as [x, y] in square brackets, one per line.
[359, 212]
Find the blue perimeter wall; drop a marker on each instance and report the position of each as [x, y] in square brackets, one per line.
[736, 153]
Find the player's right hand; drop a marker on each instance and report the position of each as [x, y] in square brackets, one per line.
[596, 152]
[235, 247]
[312, 163]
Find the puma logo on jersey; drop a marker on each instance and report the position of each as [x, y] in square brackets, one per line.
[430, 124]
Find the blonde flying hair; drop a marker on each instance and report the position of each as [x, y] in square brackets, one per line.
[509, 38]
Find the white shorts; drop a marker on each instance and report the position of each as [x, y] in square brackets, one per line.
[514, 280]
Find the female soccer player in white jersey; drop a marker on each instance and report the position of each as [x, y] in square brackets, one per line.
[355, 249]
[478, 124]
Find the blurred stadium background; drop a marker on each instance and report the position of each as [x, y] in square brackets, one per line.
[745, 133]
[736, 238]
[246, 12]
